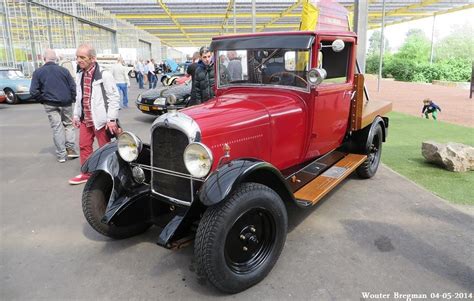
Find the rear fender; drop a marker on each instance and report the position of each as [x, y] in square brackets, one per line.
[125, 190]
[223, 181]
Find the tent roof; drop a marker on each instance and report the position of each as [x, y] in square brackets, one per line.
[192, 23]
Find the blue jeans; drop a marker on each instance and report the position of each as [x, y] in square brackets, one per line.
[124, 94]
[60, 119]
[140, 80]
[152, 81]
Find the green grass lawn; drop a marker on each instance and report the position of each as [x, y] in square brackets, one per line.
[402, 153]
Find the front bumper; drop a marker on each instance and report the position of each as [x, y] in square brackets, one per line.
[151, 109]
[23, 95]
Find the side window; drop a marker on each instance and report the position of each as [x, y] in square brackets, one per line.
[336, 64]
[290, 61]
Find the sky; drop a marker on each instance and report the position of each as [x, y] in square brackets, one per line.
[444, 24]
[396, 33]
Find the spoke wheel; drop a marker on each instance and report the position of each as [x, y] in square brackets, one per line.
[11, 97]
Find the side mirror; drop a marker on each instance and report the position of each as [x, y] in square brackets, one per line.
[316, 76]
[337, 45]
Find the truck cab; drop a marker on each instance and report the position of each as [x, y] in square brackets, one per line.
[288, 123]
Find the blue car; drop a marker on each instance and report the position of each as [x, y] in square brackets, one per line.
[15, 85]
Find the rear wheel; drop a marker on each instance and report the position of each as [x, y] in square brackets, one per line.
[12, 98]
[240, 239]
[373, 149]
[95, 198]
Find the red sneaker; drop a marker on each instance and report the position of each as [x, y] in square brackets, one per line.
[79, 179]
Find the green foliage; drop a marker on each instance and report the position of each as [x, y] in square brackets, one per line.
[402, 153]
[459, 45]
[453, 58]
[417, 47]
[374, 44]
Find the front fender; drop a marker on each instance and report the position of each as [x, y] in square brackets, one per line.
[125, 190]
[223, 181]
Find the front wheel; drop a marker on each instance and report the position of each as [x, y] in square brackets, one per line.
[12, 98]
[240, 239]
[95, 198]
[373, 150]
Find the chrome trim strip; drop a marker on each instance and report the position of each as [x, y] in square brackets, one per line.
[173, 199]
[167, 172]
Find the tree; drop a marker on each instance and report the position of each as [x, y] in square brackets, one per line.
[417, 47]
[457, 45]
[374, 43]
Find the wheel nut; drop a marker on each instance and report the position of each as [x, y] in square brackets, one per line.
[252, 229]
[245, 248]
[242, 236]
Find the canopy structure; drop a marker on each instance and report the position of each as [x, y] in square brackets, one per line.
[192, 23]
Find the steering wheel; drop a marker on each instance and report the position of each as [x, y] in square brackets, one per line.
[291, 75]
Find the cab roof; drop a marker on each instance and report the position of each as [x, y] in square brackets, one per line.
[288, 40]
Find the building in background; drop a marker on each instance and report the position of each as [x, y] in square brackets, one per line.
[28, 27]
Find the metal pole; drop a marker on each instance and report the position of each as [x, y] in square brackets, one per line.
[382, 46]
[235, 19]
[361, 9]
[432, 39]
[254, 20]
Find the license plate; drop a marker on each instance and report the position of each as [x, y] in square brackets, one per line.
[144, 108]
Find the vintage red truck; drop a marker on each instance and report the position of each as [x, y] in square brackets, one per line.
[284, 132]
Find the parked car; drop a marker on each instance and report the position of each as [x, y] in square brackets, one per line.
[288, 131]
[177, 71]
[14, 84]
[3, 97]
[154, 102]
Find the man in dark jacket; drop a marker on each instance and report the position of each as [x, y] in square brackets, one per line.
[203, 79]
[54, 87]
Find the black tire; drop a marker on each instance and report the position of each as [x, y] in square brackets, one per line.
[94, 202]
[373, 149]
[254, 212]
[132, 74]
[163, 80]
[12, 98]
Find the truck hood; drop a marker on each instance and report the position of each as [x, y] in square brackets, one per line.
[234, 112]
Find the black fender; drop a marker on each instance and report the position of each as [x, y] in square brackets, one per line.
[125, 190]
[224, 180]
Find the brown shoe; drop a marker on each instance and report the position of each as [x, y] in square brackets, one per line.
[71, 154]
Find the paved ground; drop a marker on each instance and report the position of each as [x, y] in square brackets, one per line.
[382, 235]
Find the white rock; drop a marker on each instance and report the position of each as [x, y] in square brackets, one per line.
[452, 156]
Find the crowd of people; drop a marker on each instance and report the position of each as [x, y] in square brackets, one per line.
[91, 101]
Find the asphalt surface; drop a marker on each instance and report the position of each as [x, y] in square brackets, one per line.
[383, 235]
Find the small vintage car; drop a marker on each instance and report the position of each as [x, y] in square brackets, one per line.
[3, 97]
[285, 133]
[14, 84]
[154, 102]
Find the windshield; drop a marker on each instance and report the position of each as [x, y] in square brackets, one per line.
[11, 74]
[285, 67]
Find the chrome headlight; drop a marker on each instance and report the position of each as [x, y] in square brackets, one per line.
[160, 101]
[22, 88]
[198, 159]
[129, 146]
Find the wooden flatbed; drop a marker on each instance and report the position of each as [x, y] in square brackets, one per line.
[364, 112]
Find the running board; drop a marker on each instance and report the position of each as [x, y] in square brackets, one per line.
[315, 190]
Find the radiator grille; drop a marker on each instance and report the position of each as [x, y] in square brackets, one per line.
[168, 148]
